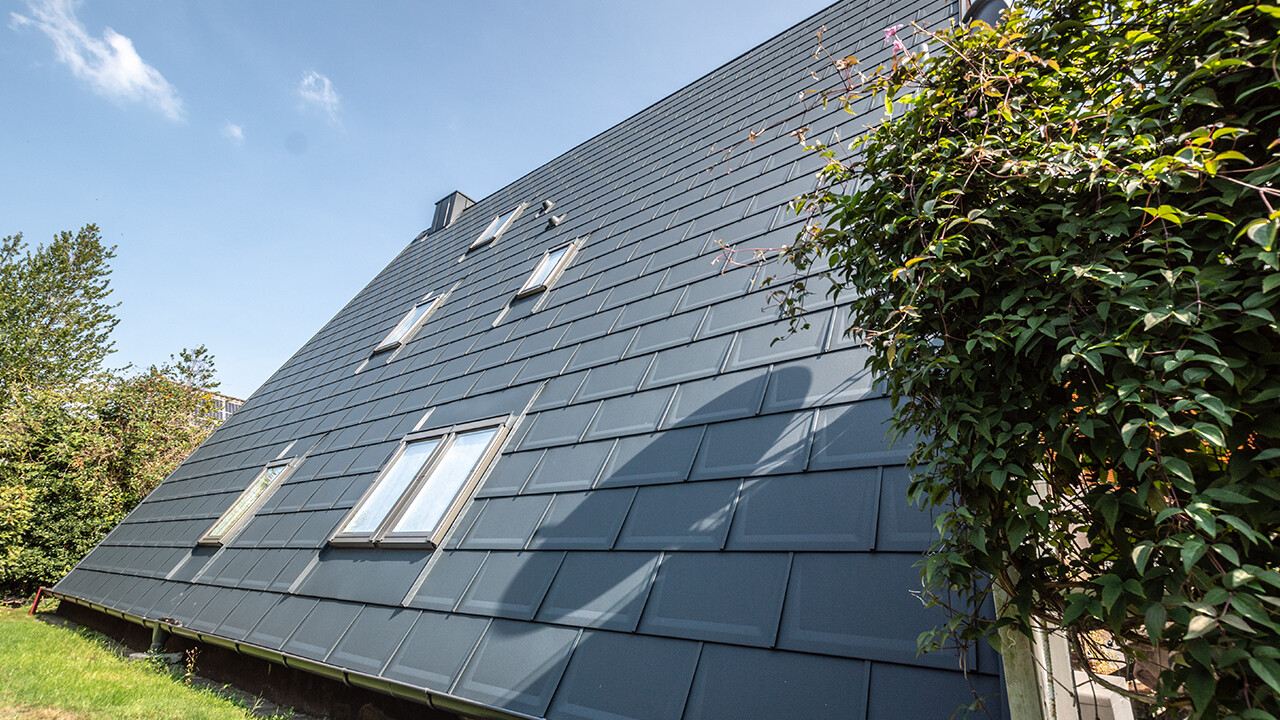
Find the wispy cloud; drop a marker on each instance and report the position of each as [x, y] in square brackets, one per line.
[234, 132]
[110, 65]
[315, 89]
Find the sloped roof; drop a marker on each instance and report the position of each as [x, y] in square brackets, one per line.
[688, 520]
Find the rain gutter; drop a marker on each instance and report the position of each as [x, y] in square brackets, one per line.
[445, 702]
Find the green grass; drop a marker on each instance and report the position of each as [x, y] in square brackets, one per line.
[53, 672]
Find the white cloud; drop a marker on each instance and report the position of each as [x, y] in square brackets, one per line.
[110, 65]
[234, 132]
[317, 90]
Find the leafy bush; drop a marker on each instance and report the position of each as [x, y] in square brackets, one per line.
[1063, 252]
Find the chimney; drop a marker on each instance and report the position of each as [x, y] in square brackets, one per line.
[448, 210]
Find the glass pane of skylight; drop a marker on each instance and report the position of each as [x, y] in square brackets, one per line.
[496, 227]
[546, 267]
[390, 487]
[256, 489]
[397, 335]
[437, 495]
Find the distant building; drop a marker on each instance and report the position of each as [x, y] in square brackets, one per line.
[224, 406]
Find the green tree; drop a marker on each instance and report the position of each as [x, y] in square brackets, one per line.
[55, 318]
[1062, 252]
[74, 460]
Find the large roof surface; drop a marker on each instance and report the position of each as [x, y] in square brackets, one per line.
[689, 520]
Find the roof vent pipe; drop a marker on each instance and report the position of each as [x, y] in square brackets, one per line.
[448, 210]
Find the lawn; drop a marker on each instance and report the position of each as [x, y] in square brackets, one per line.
[57, 672]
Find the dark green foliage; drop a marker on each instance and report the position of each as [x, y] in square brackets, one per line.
[55, 321]
[1063, 251]
[79, 445]
[75, 460]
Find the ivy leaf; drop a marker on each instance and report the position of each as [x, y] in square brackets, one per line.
[1201, 683]
[1155, 619]
[1268, 670]
[1141, 554]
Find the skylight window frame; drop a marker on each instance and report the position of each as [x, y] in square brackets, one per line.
[497, 227]
[384, 534]
[570, 248]
[243, 515]
[397, 337]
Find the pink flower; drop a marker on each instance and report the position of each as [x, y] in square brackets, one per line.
[891, 38]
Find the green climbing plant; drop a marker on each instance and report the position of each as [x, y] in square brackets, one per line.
[1062, 250]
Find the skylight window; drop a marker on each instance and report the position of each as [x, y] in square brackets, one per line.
[553, 262]
[248, 503]
[497, 227]
[404, 330]
[417, 497]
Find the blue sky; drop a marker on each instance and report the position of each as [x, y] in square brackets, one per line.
[258, 163]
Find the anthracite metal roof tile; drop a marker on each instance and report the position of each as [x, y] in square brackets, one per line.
[265, 570]
[447, 578]
[728, 396]
[583, 521]
[376, 633]
[856, 436]
[759, 346]
[509, 474]
[744, 312]
[774, 444]
[716, 289]
[293, 569]
[600, 351]
[193, 599]
[511, 584]
[497, 378]
[317, 529]
[902, 527]
[506, 523]
[558, 392]
[629, 415]
[618, 677]
[558, 427]
[229, 566]
[829, 379]
[320, 631]
[192, 564]
[279, 622]
[947, 693]
[372, 457]
[246, 615]
[329, 493]
[642, 312]
[654, 458]
[435, 650]
[816, 511]
[600, 590]
[680, 517]
[376, 575]
[616, 378]
[671, 332]
[284, 528]
[721, 597]
[216, 610]
[688, 362]
[733, 683]
[569, 467]
[517, 666]
[858, 605]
